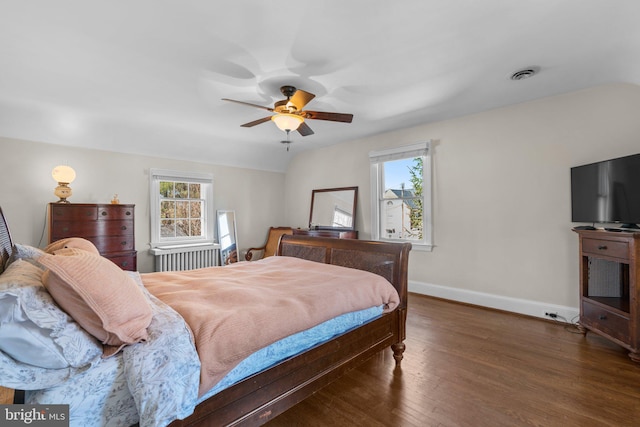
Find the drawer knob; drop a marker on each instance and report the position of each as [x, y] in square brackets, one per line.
[128, 213]
[124, 227]
[602, 317]
[65, 229]
[104, 213]
[124, 243]
[602, 247]
[124, 263]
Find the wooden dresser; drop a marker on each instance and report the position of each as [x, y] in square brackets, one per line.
[610, 286]
[336, 234]
[110, 227]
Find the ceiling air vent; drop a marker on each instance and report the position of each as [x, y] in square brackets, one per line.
[525, 73]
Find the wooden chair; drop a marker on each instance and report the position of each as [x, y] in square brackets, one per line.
[269, 248]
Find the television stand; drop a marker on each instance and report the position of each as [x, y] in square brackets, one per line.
[610, 287]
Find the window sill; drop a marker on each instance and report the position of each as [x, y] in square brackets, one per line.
[183, 248]
[420, 247]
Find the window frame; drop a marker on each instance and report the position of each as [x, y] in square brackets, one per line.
[377, 160]
[206, 193]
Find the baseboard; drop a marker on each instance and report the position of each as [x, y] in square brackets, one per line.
[515, 305]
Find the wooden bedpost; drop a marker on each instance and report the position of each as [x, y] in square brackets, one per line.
[6, 396]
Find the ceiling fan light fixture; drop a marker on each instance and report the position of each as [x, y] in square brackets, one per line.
[287, 121]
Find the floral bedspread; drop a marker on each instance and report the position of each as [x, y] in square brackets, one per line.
[153, 383]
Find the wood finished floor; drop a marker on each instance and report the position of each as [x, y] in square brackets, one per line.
[469, 366]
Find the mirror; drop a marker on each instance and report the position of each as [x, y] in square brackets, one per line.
[227, 236]
[333, 208]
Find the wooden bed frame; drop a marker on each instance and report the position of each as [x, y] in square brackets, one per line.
[261, 397]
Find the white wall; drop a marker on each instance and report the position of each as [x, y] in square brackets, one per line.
[502, 224]
[27, 188]
[501, 199]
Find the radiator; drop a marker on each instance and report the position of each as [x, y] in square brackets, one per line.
[186, 257]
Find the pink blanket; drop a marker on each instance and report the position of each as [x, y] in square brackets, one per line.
[236, 310]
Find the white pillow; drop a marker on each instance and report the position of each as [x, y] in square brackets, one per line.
[33, 329]
[24, 252]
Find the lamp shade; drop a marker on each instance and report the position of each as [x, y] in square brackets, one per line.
[287, 122]
[64, 174]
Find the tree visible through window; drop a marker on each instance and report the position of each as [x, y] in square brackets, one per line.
[416, 213]
[181, 207]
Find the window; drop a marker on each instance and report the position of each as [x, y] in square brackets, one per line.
[181, 208]
[341, 218]
[401, 195]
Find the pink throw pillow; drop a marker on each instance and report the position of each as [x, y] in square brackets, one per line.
[72, 242]
[101, 297]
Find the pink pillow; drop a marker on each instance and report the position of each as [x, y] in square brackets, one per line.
[101, 297]
[72, 242]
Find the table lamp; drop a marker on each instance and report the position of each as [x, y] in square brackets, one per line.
[63, 175]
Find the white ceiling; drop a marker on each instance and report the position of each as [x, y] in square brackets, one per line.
[147, 76]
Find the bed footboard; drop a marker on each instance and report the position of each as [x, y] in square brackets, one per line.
[263, 396]
[389, 260]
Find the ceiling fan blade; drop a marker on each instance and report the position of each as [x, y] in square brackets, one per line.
[301, 98]
[256, 122]
[334, 117]
[248, 103]
[304, 129]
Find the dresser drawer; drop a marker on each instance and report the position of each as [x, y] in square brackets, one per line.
[609, 248]
[124, 261]
[114, 228]
[73, 213]
[106, 244]
[115, 212]
[65, 229]
[605, 321]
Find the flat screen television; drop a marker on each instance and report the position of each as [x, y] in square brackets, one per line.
[607, 192]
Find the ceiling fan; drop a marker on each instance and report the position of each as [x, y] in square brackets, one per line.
[289, 114]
